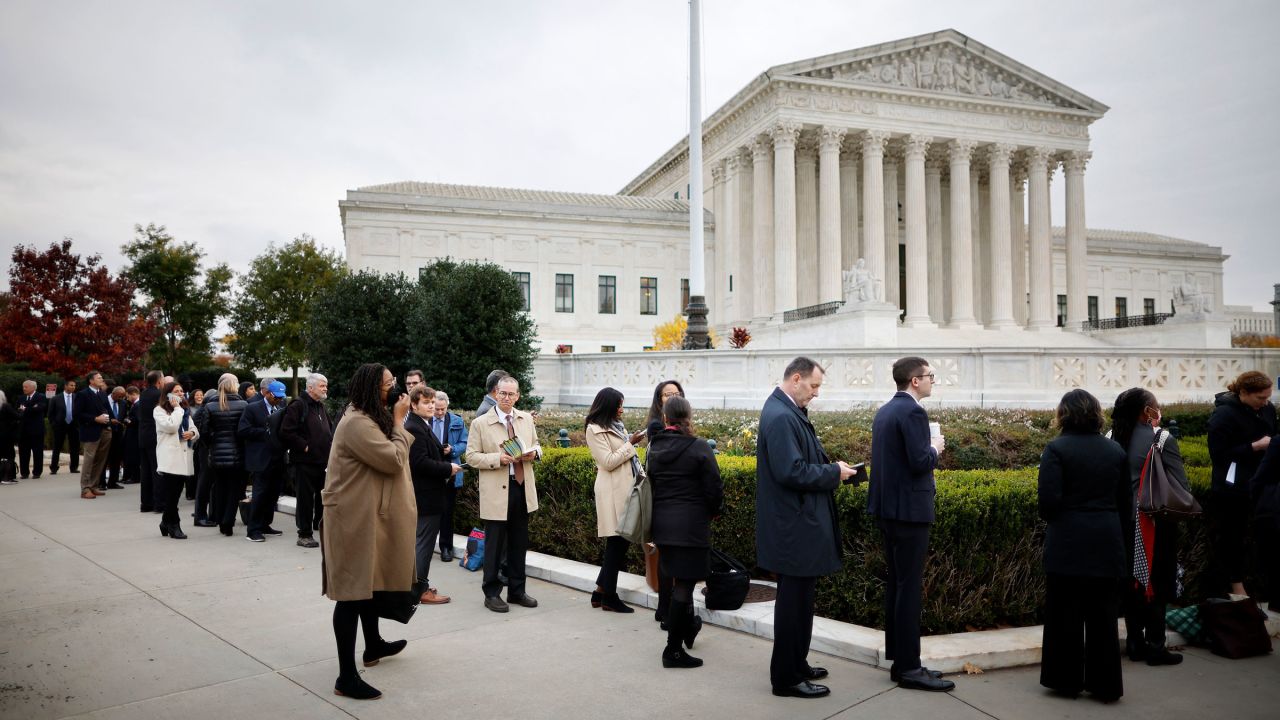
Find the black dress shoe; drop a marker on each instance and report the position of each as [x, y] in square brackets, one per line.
[226, 530]
[803, 689]
[595, 598]
[496, 604]
[204, 523]
[610, 603]
[355, 688]
[114, 486]
[921, 679]
[1163, 657]
[816, 673]
[383, 650]
[446, 554]
[271, 531]
[175, 532]
[523, 601]
[895, 676]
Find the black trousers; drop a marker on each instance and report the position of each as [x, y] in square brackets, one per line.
[266, 494]
[615, 555]
[204, 486]
[71, 435]
[31, 452]
[147, 478]
[228, 490]
[1228, 516]
[1266, 533]
[513, 535]
[792, 629]
[905, 545]
[170, 491]
[1144, 617]
[446, 516]
[115, 455]
[1081, 640]
[308, 482]
[8, 471]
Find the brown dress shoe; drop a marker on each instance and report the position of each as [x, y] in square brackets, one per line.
[87, 494]
[433, 597]
[96, 491]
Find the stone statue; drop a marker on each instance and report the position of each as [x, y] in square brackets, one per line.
[860, 285]
[1189, 298]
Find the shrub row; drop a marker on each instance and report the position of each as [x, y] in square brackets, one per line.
[984, 567]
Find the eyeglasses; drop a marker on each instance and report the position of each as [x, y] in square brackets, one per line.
[931, 377]
[505, 393]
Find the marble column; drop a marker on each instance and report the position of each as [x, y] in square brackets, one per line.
[1041, 244]
[933, 233]
[873, 219]
[1077, 244]
[961, 236]
[892, 234]
[744, 278]
[917, 233]
[806, 221]
[1018, 234]
[976, 232]
[829, 236]
[727, 237]
[762, 220]
[1001, 239]
[849, 245]
[717, 259]
[785, 134]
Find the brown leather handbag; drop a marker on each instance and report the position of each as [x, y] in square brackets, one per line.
[1158, 494]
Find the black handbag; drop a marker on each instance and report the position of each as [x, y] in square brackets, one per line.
[398, 605]
[1160, 495]
[728, 582]
[1235, 629]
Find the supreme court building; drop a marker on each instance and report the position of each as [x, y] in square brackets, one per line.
[892, 196]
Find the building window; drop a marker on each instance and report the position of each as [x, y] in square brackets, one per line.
[607, 348]
[522, 280]
[1122, 307]
[647, 348]
[608, 295]
[648, 296]
[1148, 306]
[564, 292]
[684, 292]
[1093, 308]
[1062, 311]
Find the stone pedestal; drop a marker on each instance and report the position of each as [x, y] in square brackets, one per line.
[868, 324]
[696, 336]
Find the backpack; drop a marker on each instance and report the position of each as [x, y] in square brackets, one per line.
[473, 557]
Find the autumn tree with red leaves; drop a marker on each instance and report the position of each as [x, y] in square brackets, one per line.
[67, 315]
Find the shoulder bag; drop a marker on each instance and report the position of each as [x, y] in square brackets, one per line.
[1158, 494]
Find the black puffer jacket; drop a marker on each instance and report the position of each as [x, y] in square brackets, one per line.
[1233, 428]
[687, 490]
[218, 431]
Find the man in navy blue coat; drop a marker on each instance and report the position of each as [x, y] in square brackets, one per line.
[797, 535]
[31, 408]
[903, 456]
[259, 429]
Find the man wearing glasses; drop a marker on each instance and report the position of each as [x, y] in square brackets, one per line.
[903, 456]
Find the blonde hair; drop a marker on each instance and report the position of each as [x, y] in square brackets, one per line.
[227, 384]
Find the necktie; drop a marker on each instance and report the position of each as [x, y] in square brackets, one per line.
[440, 430]
[114, 412]
[518, 465]
[68, 398]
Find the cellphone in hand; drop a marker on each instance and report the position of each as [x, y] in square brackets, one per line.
[859, 475]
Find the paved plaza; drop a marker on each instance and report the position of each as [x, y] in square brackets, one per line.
[101, 617]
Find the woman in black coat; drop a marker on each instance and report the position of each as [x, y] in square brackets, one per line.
[1240, 430]
[217, 423]
[431, 472]
[1085, 498]
[1265, 487]
[687, 493]
[10, 421]
[1134, 421]
[652, 426]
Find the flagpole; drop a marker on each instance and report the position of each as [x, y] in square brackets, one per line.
[696, 337]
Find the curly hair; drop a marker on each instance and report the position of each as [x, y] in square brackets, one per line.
[1080, 412]
[366, 396]
[1249, 382]
[1127, 413]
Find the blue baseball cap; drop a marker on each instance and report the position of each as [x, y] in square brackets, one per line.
[277, 388]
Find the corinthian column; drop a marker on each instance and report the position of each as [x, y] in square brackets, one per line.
[1001, 239]
[1077, 245]
[961, 236]
[717, 289]
[744, 273]
[892, 292]
[1018, 232]
[1041, 252]
[917, 234]
[848, 210]
[873, 203]
[933, 231]
[727, 234]
[784, 135]
[829, 263]
[762, 218]
[806, 221]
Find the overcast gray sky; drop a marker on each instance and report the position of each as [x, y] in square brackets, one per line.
[240, 123]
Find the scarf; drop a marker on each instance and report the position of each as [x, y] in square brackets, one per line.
[186, 423]
[621, 431]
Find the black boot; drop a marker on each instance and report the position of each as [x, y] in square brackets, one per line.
[692, 626]
[1136, 648]
[674, 656]
[1158, 654]
[384, 649]
[175, 532]
[610, 602]
[355, 688]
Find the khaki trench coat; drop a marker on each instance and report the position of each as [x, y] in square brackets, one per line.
[484, 447]
[370, 516]
[613, 476]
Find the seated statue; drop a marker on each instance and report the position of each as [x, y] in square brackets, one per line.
[860, 285]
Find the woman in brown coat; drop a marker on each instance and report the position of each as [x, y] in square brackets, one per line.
[369, 521]
[616, 469]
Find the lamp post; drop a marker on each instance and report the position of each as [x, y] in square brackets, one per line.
[696, 336]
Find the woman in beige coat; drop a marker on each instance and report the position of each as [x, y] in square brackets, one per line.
[176, 433]
[616, 469]
[369, 521]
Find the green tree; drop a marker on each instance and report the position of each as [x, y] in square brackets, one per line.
[186, 300]
[468, 321]
[274, 304]
[359, 319]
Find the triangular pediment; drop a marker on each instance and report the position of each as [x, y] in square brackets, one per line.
[943, 63]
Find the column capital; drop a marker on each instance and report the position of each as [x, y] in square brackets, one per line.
[718, 172]
[1037, 159]
[831, 138]
[999, 154]
[761, 148]
[849, 157]
[873, 142]
[807, 148]
[1074, 162]
[961, 149]
[731, 163]
[785, 134]
[916, 146]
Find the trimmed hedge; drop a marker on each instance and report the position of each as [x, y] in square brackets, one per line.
[984, 567]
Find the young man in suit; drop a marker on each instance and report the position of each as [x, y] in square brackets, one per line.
[797, 535]
[94, 419]
[31, 407]
[507, 492]
[452, 433]
[263, 456]
[62, 420]
[903, 456]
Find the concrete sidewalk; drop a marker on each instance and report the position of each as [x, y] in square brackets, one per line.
[101, 617]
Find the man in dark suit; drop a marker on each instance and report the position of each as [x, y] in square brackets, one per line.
[797, 536]
[147, 402]
[307, 433]
[119, 411]
[62, 419]
[31, 406]
[94, 419]
[903, 456]
[263, 456]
